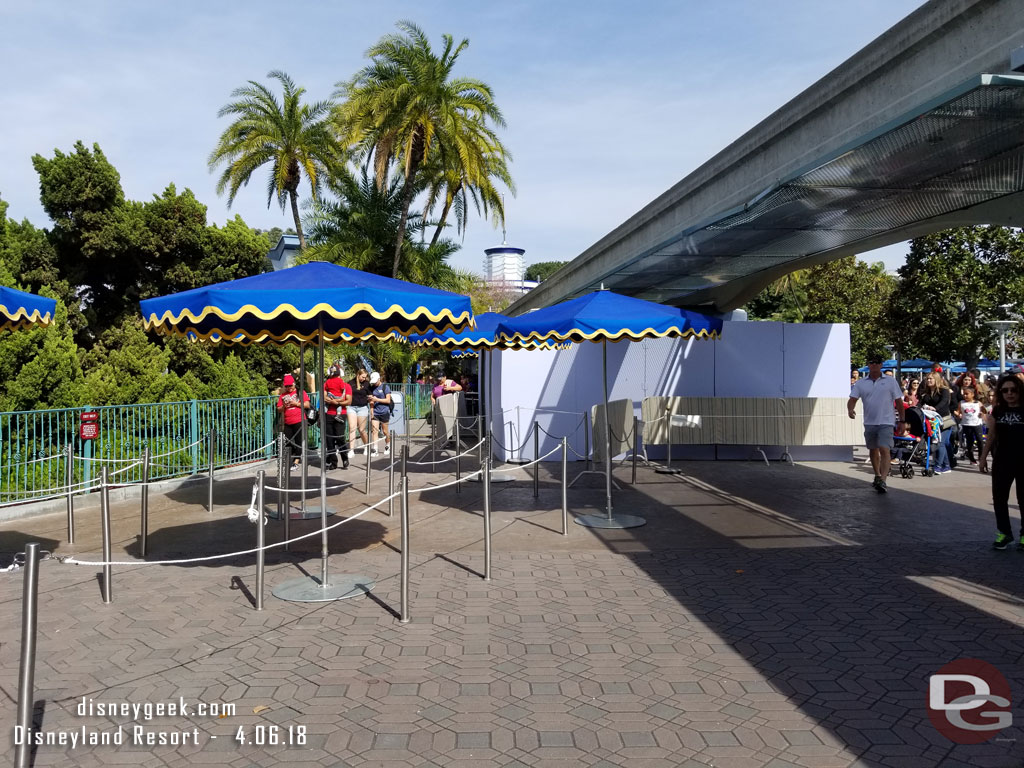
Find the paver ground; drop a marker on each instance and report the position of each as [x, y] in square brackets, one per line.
[765, 616]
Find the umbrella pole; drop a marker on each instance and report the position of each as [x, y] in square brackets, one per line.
[309, 589]
[302, 427]
[323, 462]
[607, 430]
[608, 520]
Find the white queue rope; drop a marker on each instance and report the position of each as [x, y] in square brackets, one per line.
[317, 532]
[36, 461]
[529, 464]
[468, 452]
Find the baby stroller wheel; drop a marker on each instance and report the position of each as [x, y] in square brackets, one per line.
[903, 471]
[910, 471]
[929, 472]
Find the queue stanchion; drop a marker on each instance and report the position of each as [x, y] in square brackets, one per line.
[404, 611]
[636, 446]
[586, 439]
[486, 467]
[391, 485]
[458, 451]
[27, 670]
[565, 486]
[70, 477]
[281, 470]
[434, 410]
[108, 575]
[260, 539]
[287, 517]
[366, 452]
[144, 506]
[536, 456]
[209, 448]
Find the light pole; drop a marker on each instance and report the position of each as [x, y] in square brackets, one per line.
[1002, 327]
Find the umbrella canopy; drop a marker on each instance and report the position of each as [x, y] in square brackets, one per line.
[607, 316]
[481, 337]
[309, 302]
[19, 309]
[916, 363]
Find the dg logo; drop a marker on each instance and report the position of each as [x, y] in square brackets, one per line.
[969, 701]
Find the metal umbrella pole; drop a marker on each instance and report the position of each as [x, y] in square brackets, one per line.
[341, 586]
[501, 477]
[610, 520]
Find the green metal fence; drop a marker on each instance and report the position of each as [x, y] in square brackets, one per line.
[33, 444]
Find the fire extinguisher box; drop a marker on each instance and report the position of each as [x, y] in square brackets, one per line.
[89, 425]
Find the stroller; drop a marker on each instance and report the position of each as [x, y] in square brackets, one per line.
[916, 446]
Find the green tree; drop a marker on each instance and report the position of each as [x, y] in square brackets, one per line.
[542, 270]
[952, 282]
[850, 291]
[291, 137]
[41, 367]
[405, 107]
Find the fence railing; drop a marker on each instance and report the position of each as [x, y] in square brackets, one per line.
[33, 444]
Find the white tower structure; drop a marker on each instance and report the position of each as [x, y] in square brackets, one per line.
[504, 264]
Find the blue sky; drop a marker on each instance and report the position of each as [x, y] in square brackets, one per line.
[607, 104]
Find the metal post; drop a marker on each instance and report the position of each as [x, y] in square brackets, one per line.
[287, 484]
[27, 670]
[404, 612]
[536, 455]
[144, 511]
[636, 446]
[519, 431]
[209, 492]
[565, 486]
[487, 511]
[458, 449]
[282, 471]
[366, 452]
[70, 474]
[260, 534]
[105, 514]
[391, 484]
[586, 439]
[303, 434]
[434, 410]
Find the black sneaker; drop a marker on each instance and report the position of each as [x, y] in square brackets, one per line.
[1002, 541]
[880, 486]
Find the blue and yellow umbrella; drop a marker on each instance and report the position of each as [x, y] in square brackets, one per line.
[307, 303]
[603, 316]
[312, 302]
[20, 310]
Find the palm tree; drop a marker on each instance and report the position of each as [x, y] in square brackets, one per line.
[294, 138]
[458, 186]
[404, 107]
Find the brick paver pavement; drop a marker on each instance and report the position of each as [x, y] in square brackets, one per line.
[778, 617]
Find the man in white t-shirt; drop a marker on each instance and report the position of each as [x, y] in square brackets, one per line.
[883, 400]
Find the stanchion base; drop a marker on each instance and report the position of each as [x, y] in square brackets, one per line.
[668, 471]
[308, 589]
[494, 479]
[312, 512]
[616, 521]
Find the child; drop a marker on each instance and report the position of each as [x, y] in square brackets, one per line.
[971, 418]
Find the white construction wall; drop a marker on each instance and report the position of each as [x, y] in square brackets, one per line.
[752, 359]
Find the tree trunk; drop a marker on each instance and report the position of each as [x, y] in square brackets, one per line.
[298, 221]
[440, 223]
[407, 192]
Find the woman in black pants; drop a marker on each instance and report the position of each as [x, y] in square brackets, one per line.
[1005, 441]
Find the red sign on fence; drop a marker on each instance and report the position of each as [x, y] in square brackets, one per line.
[89, 425]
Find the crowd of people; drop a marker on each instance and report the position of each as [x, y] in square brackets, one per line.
[359, 408]
[980, 417]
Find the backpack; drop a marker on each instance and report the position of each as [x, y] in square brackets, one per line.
[391, 405]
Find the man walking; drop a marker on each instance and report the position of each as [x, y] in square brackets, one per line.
[883, 400]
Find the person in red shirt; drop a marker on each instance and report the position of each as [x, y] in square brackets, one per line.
[292, 412]
[337, 395]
